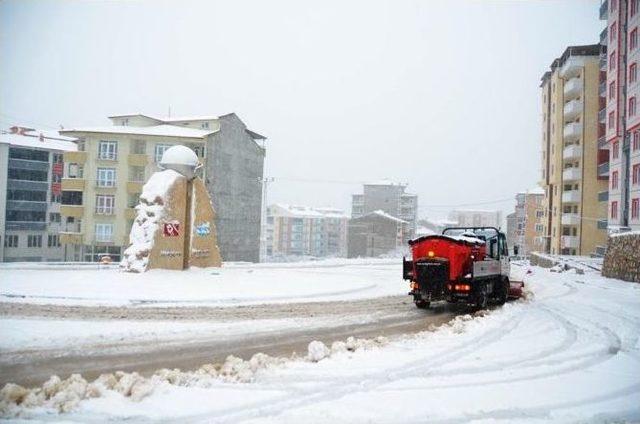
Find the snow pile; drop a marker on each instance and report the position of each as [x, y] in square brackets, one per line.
[150, 211]
[65, 395]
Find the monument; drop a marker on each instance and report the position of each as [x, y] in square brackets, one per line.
[174, 226]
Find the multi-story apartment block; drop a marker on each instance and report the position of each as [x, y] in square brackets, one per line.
[104, 178]
[622, 138]
[305, 231]
[31, 164]
[388, 197]
[574, 174]
[476, 218]
[527, 232]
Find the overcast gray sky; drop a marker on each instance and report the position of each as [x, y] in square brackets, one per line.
[442, 95]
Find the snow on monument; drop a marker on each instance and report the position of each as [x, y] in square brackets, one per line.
[174, 227]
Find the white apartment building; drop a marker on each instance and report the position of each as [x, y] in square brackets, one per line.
[476, 218]
[305, 231]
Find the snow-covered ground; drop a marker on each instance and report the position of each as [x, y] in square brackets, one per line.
[570, 353]
[234, 284]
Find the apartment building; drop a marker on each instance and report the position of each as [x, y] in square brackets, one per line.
[305, 231]
[31, 164]
[390, 198]
[103, 180]
[525, 227]
[376, 233]
[622, 113]
[574, 166]
[476, 218]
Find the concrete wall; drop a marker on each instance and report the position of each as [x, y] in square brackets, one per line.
[622, 259]
[234, 172]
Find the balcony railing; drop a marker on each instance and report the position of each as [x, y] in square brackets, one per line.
[603, 36]
[572, 109]
[572, 151]
[572, 88]
[603, 169]
[602, 89]
[602, 116]
[107, 156]
[570, 242]
[571, 196]
[570, 219]
[571, 67]
[603, 196]
[105, 210]
[572, 174]
[572, 130]
[603, 62]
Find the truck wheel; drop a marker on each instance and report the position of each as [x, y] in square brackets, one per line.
[482, 299]
[422, 304]
[503, 292]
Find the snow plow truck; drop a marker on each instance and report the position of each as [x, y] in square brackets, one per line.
[463, 265]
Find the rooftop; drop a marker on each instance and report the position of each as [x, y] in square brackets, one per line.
[37, 142]
[159, 130]
[309, 212]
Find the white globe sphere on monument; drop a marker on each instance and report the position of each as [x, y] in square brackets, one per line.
[181, 159]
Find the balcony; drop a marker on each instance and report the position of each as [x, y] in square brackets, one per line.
[137, 159]
[604, 10]
[603, 196]
[73, 184]
[602, 116]
[603, 224]
[573, 88]
[26, 205]
[27, 185]
[76, 211]
[75, 157]
[571, 196]
[28, 165]
[571, 174]
[603, 169]
[70, 238]
[570, 242]
[572, 109]
[134, 187]
[572, 130]
[25, 226]
[570, 219]
[573, 151]
[603, 36]
[572, 67]
[603, 62]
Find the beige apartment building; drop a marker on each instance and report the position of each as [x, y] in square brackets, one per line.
[102, 181]
[575, 203]
[525, 227]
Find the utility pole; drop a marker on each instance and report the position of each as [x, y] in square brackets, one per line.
[263, 217]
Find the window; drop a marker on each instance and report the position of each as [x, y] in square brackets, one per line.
[539, 228]
[34, 241]
[633, 72]
[72, 198]
[611, 119]
[139, 147]
[632, 106]
[635, 174]
[124, 122]
[635, 208]
[31, 196]
[11, 240]
[136, 174]
[613, 32]
[615, 150]
[612, 90]
[633, 7]
[56, 158]
[636, 140]
[53, 240]
[105, 204]
[106, 177]
[205, 125]
[160, 149]
[74, 170]
[613, 6]
[108, 150]
[633, 39]
[54, 217]
[614, 210]
[104, 232]
[614, 180]
[612, 61]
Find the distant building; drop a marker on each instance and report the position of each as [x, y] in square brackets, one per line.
[476, 218]
[31, 164]
[390, 198]
[512, 231]
[104, 178]
[305, 231]
[436, 225]
[376, 233]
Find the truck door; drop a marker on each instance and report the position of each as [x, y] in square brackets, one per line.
[504, 255]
